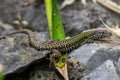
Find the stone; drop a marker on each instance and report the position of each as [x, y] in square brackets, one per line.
[15, 56]
[106, 71]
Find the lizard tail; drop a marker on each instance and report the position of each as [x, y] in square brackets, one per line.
[19, 31]
[31, 36]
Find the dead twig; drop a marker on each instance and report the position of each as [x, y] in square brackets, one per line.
[110, 5]
[115, 30]
[28, 3]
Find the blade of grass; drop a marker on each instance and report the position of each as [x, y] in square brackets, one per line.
[1, 76]
[48, 6]
[55, 25]
[56, 32]
[1, 72]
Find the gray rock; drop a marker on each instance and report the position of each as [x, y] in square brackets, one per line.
[93, 55]
[106, 71]
[117, 65]
[75, 18]
[15, 56]
[111, 52]
[85, 52]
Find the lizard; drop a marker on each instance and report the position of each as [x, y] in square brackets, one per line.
[67, 45]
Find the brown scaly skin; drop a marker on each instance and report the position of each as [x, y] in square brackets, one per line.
[68, 44]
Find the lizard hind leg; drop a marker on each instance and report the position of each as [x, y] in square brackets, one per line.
[54, 57]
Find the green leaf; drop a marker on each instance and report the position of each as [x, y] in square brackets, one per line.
[1, 76]
[48, 6]
[55, 25]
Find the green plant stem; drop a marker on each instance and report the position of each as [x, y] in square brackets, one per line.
[55, 25]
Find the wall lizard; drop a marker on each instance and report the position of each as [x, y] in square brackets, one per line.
[65, 45]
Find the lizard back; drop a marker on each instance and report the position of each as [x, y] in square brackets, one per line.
[68, 44]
